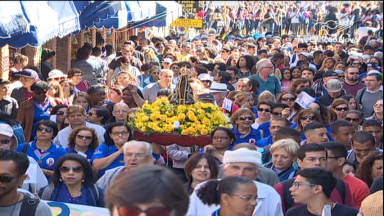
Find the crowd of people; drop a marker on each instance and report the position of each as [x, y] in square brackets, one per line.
[307, 119]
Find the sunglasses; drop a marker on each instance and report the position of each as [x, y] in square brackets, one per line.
[41, 129]
[287, 99]
[57, 78]
[342, 108]
[135, 211]
[307, 117]
[60, 113]
[75, 169]
[352, 119]
[84, 137]
[7, 179]
[242, 118]
[5, 141]
[261, 110]
[276, 113]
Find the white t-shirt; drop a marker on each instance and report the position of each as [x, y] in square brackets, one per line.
[62, 137]
[363, 31]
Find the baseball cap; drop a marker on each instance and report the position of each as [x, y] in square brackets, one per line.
[7, 130]
[29, 73]
[306, 54]
[168, 60]
[208, 97]
[329, 74]
[373, 65]
[204, 77]
[333, 85]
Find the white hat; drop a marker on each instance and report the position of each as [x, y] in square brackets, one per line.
[242, 155]
[168, 60]
[366, 56]
[205, 77]
[7, 130]
[373, 72]
[218, 87]
[56, 74]
[306, 54]
[333, 85]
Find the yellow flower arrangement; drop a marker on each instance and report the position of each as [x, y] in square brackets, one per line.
[163, 117]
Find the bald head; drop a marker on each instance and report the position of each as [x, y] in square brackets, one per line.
[120, 111]
[245, 145]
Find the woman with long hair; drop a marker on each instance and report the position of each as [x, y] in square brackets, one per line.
[328, 64]
[56, 91]
[223, 139]
[286, 79]
[371, 168]
[58, 115]
[199, 168]
[340, 106]
[82, 99]
[73, 182]
[83, 141]
[68, 91]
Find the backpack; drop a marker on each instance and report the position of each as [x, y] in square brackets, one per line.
[362, 93]
[288, 201]
[29, 205]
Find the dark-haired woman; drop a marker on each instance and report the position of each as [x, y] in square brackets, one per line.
[35, 109]
[110, 154]
[236, 196]
[58, 114]
[73, 182]
[83, 141]
[152, 189]
[223, 139]
[42, 149]
[245, 65]
[199, 168]
[47, 56]
[371, 167]
[99, 115]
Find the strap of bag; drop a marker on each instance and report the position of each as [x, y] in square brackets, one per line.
[288, 201]
[47, 192]
[25, 148]
[340, 187]
[29, 205]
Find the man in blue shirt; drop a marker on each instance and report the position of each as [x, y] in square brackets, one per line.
[275, 125]
[267, 81]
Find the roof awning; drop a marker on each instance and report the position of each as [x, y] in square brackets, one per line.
[166, 13]
[12, 19]
[68, 17]
[44, 25]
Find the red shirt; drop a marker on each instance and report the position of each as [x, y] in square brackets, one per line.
[359, 189]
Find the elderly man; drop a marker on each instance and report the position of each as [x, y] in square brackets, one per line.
[165, 81]
[267, 81]
[245, 163]
[120, 111]
[136, 154]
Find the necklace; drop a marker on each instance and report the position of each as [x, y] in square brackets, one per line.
[13, 209]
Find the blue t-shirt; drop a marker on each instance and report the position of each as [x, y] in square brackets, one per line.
[89, 152]
[42, 112]
[105, 150]
[45, 159]
[251, 138]
[65, 196]
[264, 142]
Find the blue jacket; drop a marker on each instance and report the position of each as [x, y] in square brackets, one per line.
[284, 175]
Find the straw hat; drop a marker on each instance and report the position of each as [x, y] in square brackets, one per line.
[372, 205]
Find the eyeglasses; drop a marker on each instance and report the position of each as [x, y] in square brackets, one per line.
[5, 141]
[341, 108]
[75, 169]
[246, 198]
[60, 113]
[269, 67]
[287, 99]
[135, 211]
[298, 184]
[42, 129]
[242, 118]
[139, 155]
[261, 110]
[7, 179]
[352, 119]
[83, 137]
[378, 105]
[122, 133]
[276, 113]
[308, 117]
[56, 78]
[175, 68]
[220, 138]
[78, 75]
